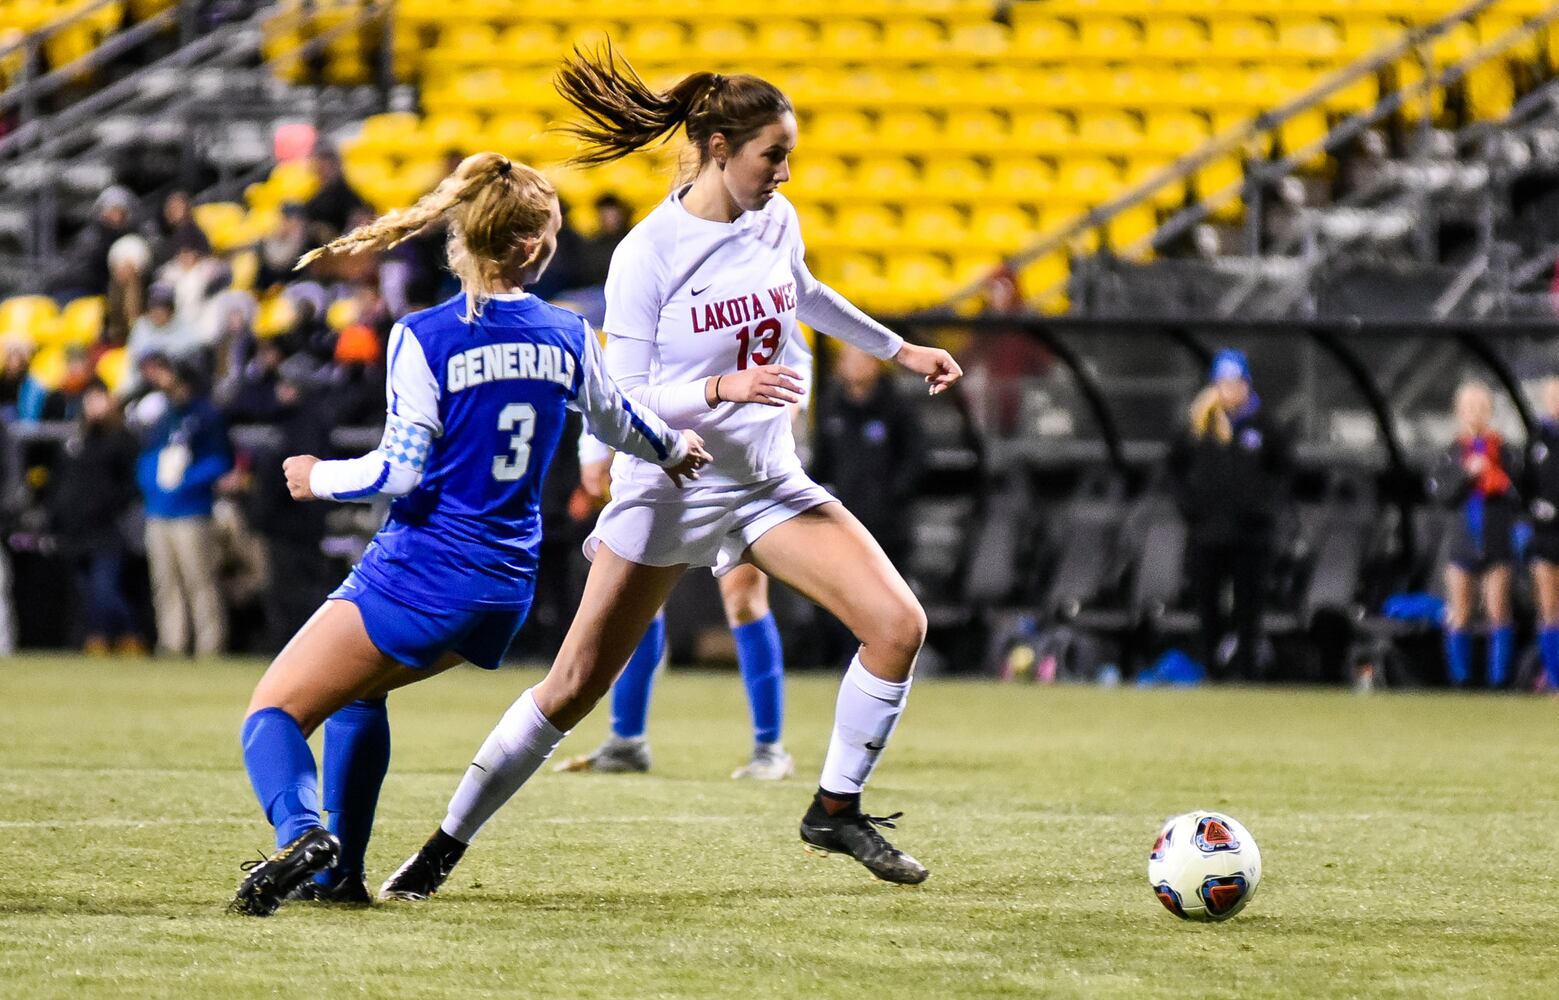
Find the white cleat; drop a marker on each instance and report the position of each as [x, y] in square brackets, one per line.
[769, 762]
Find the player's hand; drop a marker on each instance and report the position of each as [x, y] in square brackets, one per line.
[297, 469]
[771, 385]
[1476, 464]
[935, 364]
[595, 478]
[696, 459]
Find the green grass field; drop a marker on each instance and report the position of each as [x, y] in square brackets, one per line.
[1408, 844]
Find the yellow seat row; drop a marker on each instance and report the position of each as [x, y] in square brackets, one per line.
[42, 322]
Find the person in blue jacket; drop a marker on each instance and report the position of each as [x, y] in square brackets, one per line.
[186, 450]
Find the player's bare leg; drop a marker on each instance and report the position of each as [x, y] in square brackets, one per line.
[329, 664]
[827, 555]
[620, 599]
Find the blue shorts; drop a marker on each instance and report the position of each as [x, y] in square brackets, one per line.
[418, 637]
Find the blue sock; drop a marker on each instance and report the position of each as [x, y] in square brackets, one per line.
[1502, 646]
[281, 769]
[1548, 645]
[1458, 656]
[762, 660]
[631, 693]
[357, 755]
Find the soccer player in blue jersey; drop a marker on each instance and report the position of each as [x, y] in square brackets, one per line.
[476, 394]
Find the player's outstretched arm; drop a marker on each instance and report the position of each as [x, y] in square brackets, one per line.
[410, 425]
[618, 423]
[826, 310]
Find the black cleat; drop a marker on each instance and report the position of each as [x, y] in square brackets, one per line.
[423, 872]
[854, 833]
[271, 879]
[348, 891]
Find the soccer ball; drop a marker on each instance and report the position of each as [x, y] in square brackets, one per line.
[1204, 866]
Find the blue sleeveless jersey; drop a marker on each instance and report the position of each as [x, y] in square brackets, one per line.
[469, 535]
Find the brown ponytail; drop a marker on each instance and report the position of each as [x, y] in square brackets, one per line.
[623, 115]
[494, 207]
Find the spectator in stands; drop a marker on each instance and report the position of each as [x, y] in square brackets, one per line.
[14, 371]
[250, 398]
[230, 318]
[595, 252]
[299, 574]
[194, 275]
[62, 400]
[1475, 477]
[1541, 492]
[1229, 470]
[357, 389]
[84, 266]
[331, 208]
[1003, 357]
[281, 247]
[129, 264]
[92, 490]
[175, 226]
[869, 450]
[10, 504]
[560, 274]
[162, 332]
[185, 452]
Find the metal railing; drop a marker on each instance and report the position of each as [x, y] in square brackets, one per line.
[1238, 141]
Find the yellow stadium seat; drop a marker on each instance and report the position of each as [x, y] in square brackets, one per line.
[274, 317]
[447, 131]
[823, 177]
[1041, 131]
[514, 134]
[385, 133]
[916, 280]
[887, 177]
[1362, 36]
[1043, 282]
[657, 41]
[1490, 90]
[1087, 180]
[341, 313]
[32, 316]
[932, 227]
[960, 177]
[847, 130]
[531, 36]
[866, 226]
[1021, 178]
[1311, 40]
[1003, 229]
[221, 221]
[1043, 38]
[782, 38]
[974, 131]
[913, 40]
[1242, 38]
[817, 223]
[293, 180]
[48, 366]
[113, 367]
[848, 39]
[1108, 132]
[981, 40]
[1131, 227]
[81, 322]
[971, 269]
[1174, 39]
[729, 39]
[1106, 37]
[1169, 196]
[1175, 133]
[245, 268]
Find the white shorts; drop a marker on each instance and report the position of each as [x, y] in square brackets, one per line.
[699, 525]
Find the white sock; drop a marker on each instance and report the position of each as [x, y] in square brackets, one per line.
[512, 752]
[864, 718]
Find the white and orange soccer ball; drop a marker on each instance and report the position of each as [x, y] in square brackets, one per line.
[1204, 866]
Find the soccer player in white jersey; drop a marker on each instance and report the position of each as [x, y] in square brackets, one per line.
[701, 298]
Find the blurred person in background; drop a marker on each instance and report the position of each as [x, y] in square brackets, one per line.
[174, 226]
[559, 278]
[299, 576]
[92, 493]
[1003, 357]
[357, 387]
[595, 251]
[10, 505]
[250, 397]
[129, 265]
[193, 274]
[14, 369]
[161, 332]
[1541, 492]
[280, 249]
[61, 401]
[185, 452]
[1475, 477]
[229, 322]
[1229, 471]
[331, 208]
[83, 268]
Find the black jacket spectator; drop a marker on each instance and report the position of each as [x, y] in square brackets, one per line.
[1488, 505]
[1231, 490]
[1540, 490]
[94, 487]
[84, 267]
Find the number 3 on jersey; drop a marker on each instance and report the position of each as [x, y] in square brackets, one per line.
[521, 419]
[759, 345]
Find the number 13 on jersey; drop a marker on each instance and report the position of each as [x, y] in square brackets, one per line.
[758, 345]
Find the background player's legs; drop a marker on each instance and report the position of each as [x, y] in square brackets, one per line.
[744, 592]
[1502, 631]
[1545, 580]
[829, 557]
[621, 599]
[1460, 592]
